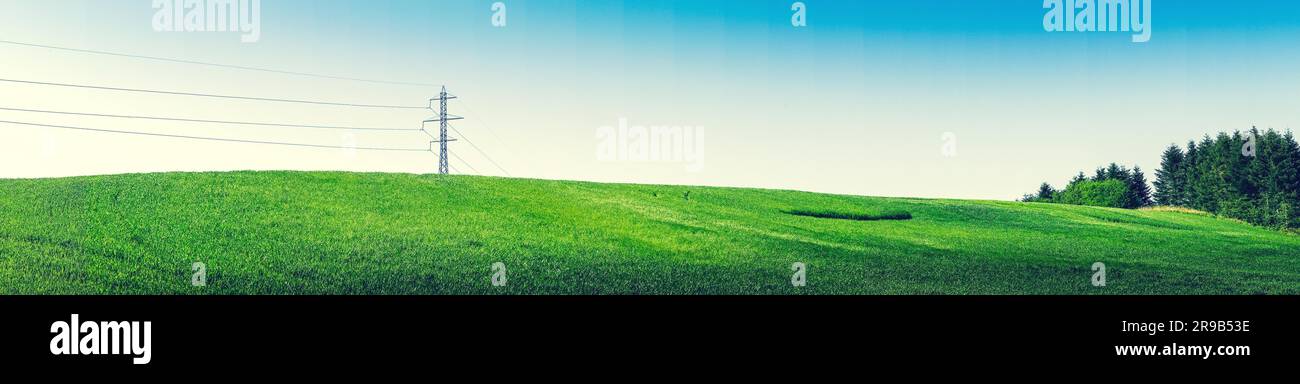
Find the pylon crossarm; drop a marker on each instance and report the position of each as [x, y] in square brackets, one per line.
[449, 118]
[431, 143]
[440, 99]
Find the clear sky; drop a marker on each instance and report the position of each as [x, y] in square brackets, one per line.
[856, 102]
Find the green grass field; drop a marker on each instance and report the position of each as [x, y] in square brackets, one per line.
[344, 233]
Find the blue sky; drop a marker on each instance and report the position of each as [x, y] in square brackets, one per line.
[856, 102]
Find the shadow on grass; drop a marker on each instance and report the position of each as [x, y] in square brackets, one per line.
[824, 214]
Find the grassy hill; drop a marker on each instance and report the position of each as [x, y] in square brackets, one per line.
[343, 233]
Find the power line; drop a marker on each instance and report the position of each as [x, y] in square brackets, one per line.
[467, 164]
[442, 111]
[211, 95]
[442, 139]
[480, 151]
[207, 121]
[214, 64]
[215, 138]
[488, 128]
[481, 121]
[462, 137]
[439, 140]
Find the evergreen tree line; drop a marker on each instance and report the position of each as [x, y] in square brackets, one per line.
[1252, 176]
[1111, 186]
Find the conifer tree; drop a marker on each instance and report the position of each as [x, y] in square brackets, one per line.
[1077, 179]
[1045, 193]
[1116, 172]
[1171, 177]
[1190, 176]
[1139, 193]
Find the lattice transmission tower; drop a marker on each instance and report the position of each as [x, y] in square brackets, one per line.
[442, 118]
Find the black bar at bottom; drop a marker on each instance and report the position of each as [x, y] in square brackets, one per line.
[351, 332]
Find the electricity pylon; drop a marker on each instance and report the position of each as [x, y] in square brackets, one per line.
[442, 118]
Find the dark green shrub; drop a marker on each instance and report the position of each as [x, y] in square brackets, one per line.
[859, 216]
[1109, 193]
